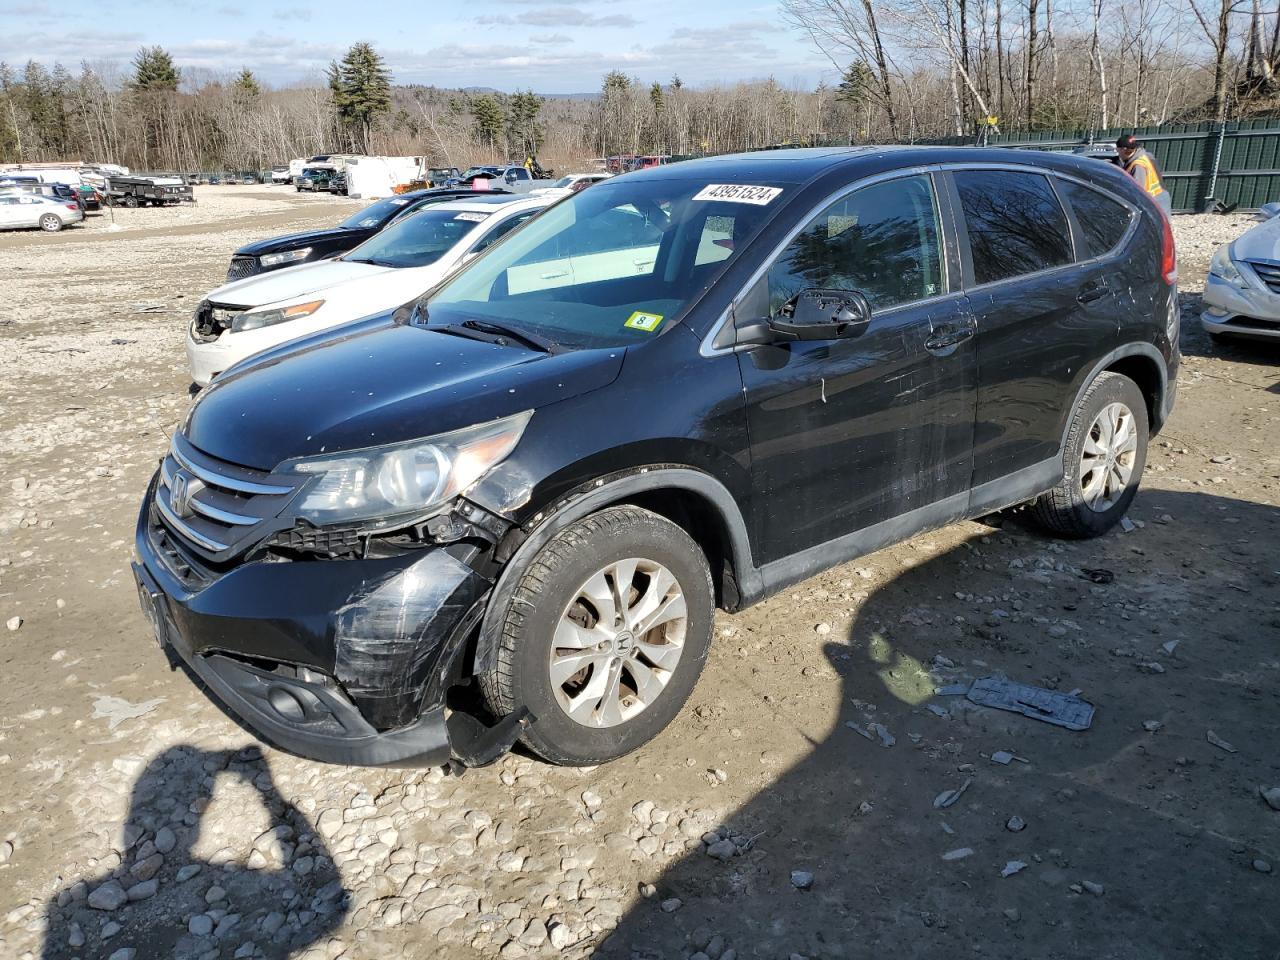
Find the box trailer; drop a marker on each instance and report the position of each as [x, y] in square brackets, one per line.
[148, 191]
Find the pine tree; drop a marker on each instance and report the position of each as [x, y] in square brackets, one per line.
[360, 86]
[246, 88]
[154, 70]
[855, 84]
[524, 133]
[657, 97]
[488, 118]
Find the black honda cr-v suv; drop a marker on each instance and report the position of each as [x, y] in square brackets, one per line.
[510, 509]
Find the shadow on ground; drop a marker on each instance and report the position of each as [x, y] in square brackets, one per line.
[228, 877]
[1167, 824]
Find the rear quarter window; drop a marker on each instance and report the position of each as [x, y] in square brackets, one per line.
[1103, 221]
[1015, 223]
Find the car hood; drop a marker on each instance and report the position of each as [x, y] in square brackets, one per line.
[1259, 243]
[293, 282]
[377, 385]
[296, 241]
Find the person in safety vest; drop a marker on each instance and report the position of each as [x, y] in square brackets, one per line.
[1139, 165]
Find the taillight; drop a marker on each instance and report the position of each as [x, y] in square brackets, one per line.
[72, 206]
[1168, 256]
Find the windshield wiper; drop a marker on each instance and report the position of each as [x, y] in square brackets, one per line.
[504, 332]
[372, 260]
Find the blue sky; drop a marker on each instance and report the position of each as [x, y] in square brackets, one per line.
[551, 46]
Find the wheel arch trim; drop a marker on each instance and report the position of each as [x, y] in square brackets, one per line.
[1142, 350]
[596, 496]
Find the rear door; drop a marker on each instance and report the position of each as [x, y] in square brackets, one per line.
[849, 433]
[1040, 314]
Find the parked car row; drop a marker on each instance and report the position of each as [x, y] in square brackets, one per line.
[497, 466]
[20, 209]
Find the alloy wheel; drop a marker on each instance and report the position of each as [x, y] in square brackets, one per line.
[1106, 463]
[618, 642]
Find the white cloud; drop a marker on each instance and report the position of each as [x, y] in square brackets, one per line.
[562, 17]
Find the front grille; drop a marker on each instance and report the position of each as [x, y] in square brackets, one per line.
[242, 267]
[1268, 273]
[218, 509]
[191, 573]
[211, 321]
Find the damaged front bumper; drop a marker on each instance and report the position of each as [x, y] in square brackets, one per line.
[339, 660]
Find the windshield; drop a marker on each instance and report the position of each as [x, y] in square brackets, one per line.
[609, 266]
[375, 213]
[419, 239]
[564, 182]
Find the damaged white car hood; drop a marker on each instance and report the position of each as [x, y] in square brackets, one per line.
[1259, 243]
[293, 282]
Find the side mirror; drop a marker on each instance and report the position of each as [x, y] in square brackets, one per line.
[813, 314]
[1269, 210]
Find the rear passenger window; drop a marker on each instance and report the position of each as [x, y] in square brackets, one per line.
[1102, 220]
[1016, 225]
[881, 240]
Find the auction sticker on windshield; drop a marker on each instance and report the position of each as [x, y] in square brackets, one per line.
[648, 322]
[738, 193]
[472, 217]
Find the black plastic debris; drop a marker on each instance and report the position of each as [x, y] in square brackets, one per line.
[1098, 575]
[1051, 706]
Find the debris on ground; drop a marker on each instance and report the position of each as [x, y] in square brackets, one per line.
[1271, 795]
[887, 739]
[116, 710]
[1060, 709]
[1012, 867]
[1218, 742]
[958, 854]
[1098, 575]
[1015, 824]
[948, 797]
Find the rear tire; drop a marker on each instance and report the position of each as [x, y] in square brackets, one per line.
[130, 201]
[1104, 455]
[649, 576]
[50, 223]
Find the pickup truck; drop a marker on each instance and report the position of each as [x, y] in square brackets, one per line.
[144, 191]
[513, 179]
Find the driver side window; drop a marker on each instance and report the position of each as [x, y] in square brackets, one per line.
[882, 240]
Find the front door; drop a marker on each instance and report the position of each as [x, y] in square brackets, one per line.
[848, 433]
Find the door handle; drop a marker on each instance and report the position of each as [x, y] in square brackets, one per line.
[948, 336]
[1092, 292]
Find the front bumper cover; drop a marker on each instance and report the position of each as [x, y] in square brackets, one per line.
[1240, 310]
[343, 661]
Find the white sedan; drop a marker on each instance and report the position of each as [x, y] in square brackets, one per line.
[391, 268]
[1242, 290]
[51, 214]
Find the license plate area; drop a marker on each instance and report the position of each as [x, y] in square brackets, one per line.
[149, 600]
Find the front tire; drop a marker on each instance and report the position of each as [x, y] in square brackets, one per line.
[1104, 456]
[50, 223]
[604, 637]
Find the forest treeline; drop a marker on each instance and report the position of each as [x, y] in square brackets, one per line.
[908, 70]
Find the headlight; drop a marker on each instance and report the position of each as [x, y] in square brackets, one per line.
[289, 256]
[393, 485]
[254, 319]
[1222, 266]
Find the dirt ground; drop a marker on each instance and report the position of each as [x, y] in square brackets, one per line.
[137, 821]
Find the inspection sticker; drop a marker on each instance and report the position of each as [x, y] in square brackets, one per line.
[472, 217]
[648, 322]
[738, 193]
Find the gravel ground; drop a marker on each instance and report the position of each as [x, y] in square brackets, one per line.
[773, 820]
